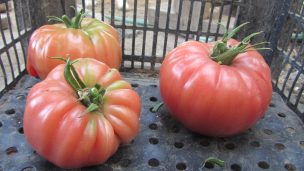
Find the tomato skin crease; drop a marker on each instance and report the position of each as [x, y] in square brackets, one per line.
[54, 124]
[95, 39]
[213, 99]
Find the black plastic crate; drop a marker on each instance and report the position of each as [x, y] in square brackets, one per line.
[148, 30]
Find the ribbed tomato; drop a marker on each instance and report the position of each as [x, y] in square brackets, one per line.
[216, 89]
[80, 121]
[81, 37]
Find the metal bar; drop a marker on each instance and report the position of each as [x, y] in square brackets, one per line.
[155, 33]
[189, 20]
[6, 49]
[19, 32]
[18, 39]
[3, 70]
[18, 24]
[293, 44]
[123, 26]
[93, 8]
[299, 95]
[275, 21]
[134, 31]
[172, 31]
[230, 15]
[23, 19]
[112, 12]
[289, 33]
[167, 27]
[286, 78]
[62, 2]
[12, 38]
[297, 19]
[200, 22]
[290, 105]
[102, 10]
[178, 21]
[294, 82]
[144, 35]
[138, 58]
[219, 21]
[285, 62]
[83, 5]
[298, 6]
[290, 61]
[210, 21]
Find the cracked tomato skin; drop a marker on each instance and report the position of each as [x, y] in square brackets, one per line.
[57, 128]
[213, 99]
[95, 39]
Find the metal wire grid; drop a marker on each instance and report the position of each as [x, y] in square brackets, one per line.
[13, 42]
[156, 37]
[289, 76]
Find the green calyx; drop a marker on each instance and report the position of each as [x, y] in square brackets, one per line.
[75, 22]
[91, 97]
[224, 55]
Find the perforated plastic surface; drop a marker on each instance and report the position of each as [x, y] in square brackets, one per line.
[274, 143]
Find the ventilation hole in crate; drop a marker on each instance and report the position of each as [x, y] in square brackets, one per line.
[20, 97]
[290, 167]
[255, 144]
[302, 143]
[230, 146]
[153, 162]
[0, 124]
[235, 167]
[279, 146]
[153, 85]
[153, 99]
[291, 129]
[267, 131]
[153, 140]
[178, 144]
[181, 166]
[174, 129]
[204, 143]
[10, 111]
[282, 115]
[272, 105]
[20, 130]
[117, 157]
[125, 162]
[134, 85]
[153, 126]
[209, 165]
[11, 150]
[28, 168]
[263, 165]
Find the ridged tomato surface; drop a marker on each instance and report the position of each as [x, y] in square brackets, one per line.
[213, 99]
[58, 127]
[95, 39]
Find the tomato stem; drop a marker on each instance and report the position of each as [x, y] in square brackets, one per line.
[89, 97]
[224, 55]
[75, 22]
[214, 160]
